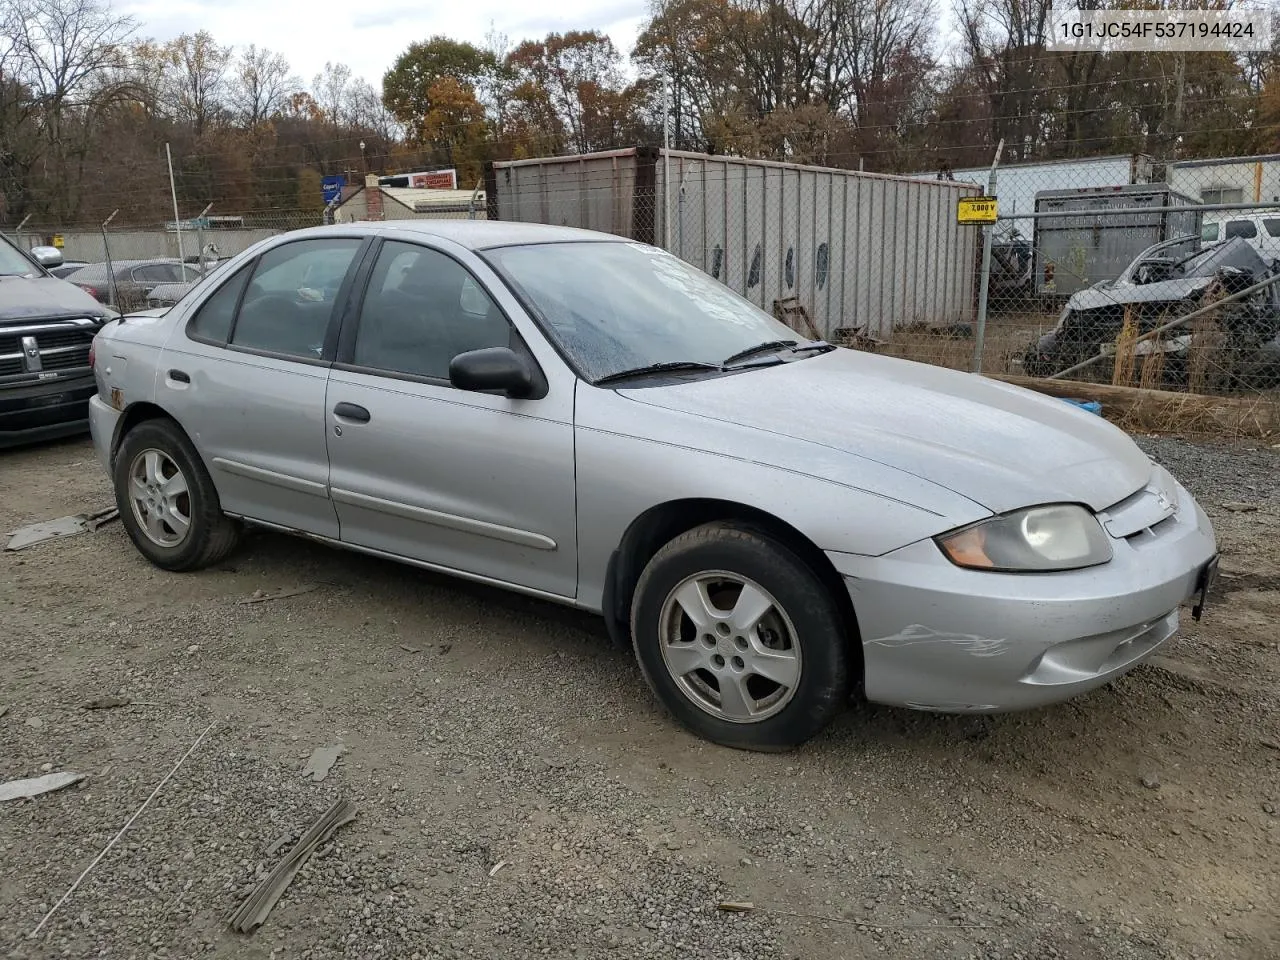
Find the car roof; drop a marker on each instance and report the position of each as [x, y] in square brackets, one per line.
[117, 265]
[474, 234]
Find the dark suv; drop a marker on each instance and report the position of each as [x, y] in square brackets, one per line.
[46, 328]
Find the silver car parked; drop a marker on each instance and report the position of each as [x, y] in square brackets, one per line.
[773, 523]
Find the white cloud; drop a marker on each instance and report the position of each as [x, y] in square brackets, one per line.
[369, 37]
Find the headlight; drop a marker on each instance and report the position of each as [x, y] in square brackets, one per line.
[1037, 540]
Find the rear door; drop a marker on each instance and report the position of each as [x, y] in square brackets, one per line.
[246, 379]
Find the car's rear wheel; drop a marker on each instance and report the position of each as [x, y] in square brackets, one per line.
[167, 500]
[740, 639]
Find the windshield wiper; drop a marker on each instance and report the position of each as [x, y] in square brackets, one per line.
[775, 345]
[758, 348]
[657, 368]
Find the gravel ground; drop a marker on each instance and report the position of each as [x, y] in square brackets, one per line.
[520, 794]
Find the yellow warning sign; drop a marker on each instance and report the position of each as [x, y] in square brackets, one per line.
[976, 210]
[58, 241]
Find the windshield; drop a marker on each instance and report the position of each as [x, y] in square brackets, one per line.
[13, 263]
[618, 306]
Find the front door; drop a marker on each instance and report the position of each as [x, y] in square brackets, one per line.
[474, 482]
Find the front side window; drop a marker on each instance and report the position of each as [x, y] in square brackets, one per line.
[616, 306]
[422, 309]
[291, 297]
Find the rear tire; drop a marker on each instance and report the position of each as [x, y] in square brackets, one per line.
[740, 639]
[167, 501]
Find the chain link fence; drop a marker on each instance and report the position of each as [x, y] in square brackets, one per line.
[1149, 286]
[1153, 287]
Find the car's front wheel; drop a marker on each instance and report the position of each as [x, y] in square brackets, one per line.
[167, 500]
[740, 639]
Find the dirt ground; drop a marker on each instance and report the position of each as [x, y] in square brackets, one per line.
[521, 794]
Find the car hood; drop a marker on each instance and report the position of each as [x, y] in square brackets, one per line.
[1000, 446]
[1114, 294]
[38, 298]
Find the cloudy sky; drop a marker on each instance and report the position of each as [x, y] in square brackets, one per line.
[368, 36]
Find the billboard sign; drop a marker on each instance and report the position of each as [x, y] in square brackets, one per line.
[422, 180]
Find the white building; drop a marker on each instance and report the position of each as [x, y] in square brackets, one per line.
[375, 202]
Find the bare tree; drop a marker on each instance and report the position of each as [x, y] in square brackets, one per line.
[1004, 43]
[366, 111]
[332, 90]
[61, 53]
[261, 82]
[199, 78]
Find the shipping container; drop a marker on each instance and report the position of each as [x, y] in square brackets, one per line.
[1076, 251]
[855, 249]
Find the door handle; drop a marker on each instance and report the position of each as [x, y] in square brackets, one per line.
[351, 411]
[179, 376]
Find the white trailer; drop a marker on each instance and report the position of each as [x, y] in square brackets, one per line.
[855, 249]
[1018, 183]
[1253, 179]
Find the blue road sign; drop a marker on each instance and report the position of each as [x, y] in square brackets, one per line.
[332, 187]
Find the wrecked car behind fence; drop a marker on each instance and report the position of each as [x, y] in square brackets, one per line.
[1234, 346]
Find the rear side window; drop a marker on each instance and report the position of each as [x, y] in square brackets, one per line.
[290, 300]
[212, 321]
[1272, 226]
[1242, 228]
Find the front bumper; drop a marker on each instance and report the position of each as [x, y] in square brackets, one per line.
[44, 411]
[941, 638]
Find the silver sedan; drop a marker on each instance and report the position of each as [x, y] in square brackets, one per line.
[773, 524]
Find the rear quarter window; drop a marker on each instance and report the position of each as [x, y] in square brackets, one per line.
[212, 322]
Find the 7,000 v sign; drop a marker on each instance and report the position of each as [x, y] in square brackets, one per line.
[976, 210]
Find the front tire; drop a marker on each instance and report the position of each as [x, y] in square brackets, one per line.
[739, 639]
[167, 501]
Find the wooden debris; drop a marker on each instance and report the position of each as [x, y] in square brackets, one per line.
[498, 866]
[106, 703]
[856, 338]
[260, 597]
[736, 906]
[259, 904]
[792, 312]
[1136, 408]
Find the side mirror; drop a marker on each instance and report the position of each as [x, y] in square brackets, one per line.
[47, 256]
[493, 368]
